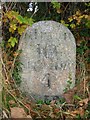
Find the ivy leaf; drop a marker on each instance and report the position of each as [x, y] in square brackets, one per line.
[12, 41]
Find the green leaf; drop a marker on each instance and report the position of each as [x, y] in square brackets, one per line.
[40, 102]
[11, 14]
[11, 30]
[88, 23]
[72, 25]
[77, 97]
[56, 4]
[20, 19]
[21, 29]
[30, 21]
[69, 82]
[70, 19]
[13, 26]
[12, 41]
[63, 22]
[87, 4]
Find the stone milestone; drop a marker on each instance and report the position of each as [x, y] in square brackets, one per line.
[49, 59]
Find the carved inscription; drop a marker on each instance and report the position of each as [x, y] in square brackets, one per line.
[48, 53]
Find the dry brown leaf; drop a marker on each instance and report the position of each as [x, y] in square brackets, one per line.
[15, 54]
[29, 116]
[52, 103]
[79, 111]
[45, 107]
[79, 88]
[84, 101]
[11, 102]
[9, 62]
[17, 112]
[69, 96]
[52, 115]
[57, 110]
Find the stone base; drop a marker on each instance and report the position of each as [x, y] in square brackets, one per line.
[36, 97]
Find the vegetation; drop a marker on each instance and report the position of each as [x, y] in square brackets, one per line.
[15, 19]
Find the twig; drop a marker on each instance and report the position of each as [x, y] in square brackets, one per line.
[65, 9]
[16, 99]
[4, 114]
[72, 105]
[88, 92]
[4, 67]
[6, 110]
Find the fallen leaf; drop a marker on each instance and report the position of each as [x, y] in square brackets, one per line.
[29, 116]
[69, 96]
[79, 88]
[80, 111]
[9, 62]
[57, 110]
[11, 102]
[15, 54]
[17, 112]
[45, 107]
[52, 103]
[84, 102]
[52, 115]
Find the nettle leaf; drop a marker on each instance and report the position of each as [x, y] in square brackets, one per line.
[25, 20]
[21, 29]
[15, 13]
[13, 26]
[12, 41]
[56, 4]
[20, 19]
[9, 14]
[11, 30]
[5, 19]
[30, 21]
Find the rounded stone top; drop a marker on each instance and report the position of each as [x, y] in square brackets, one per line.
[48, 57]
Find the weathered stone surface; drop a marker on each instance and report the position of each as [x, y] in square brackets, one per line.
[49, 59]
